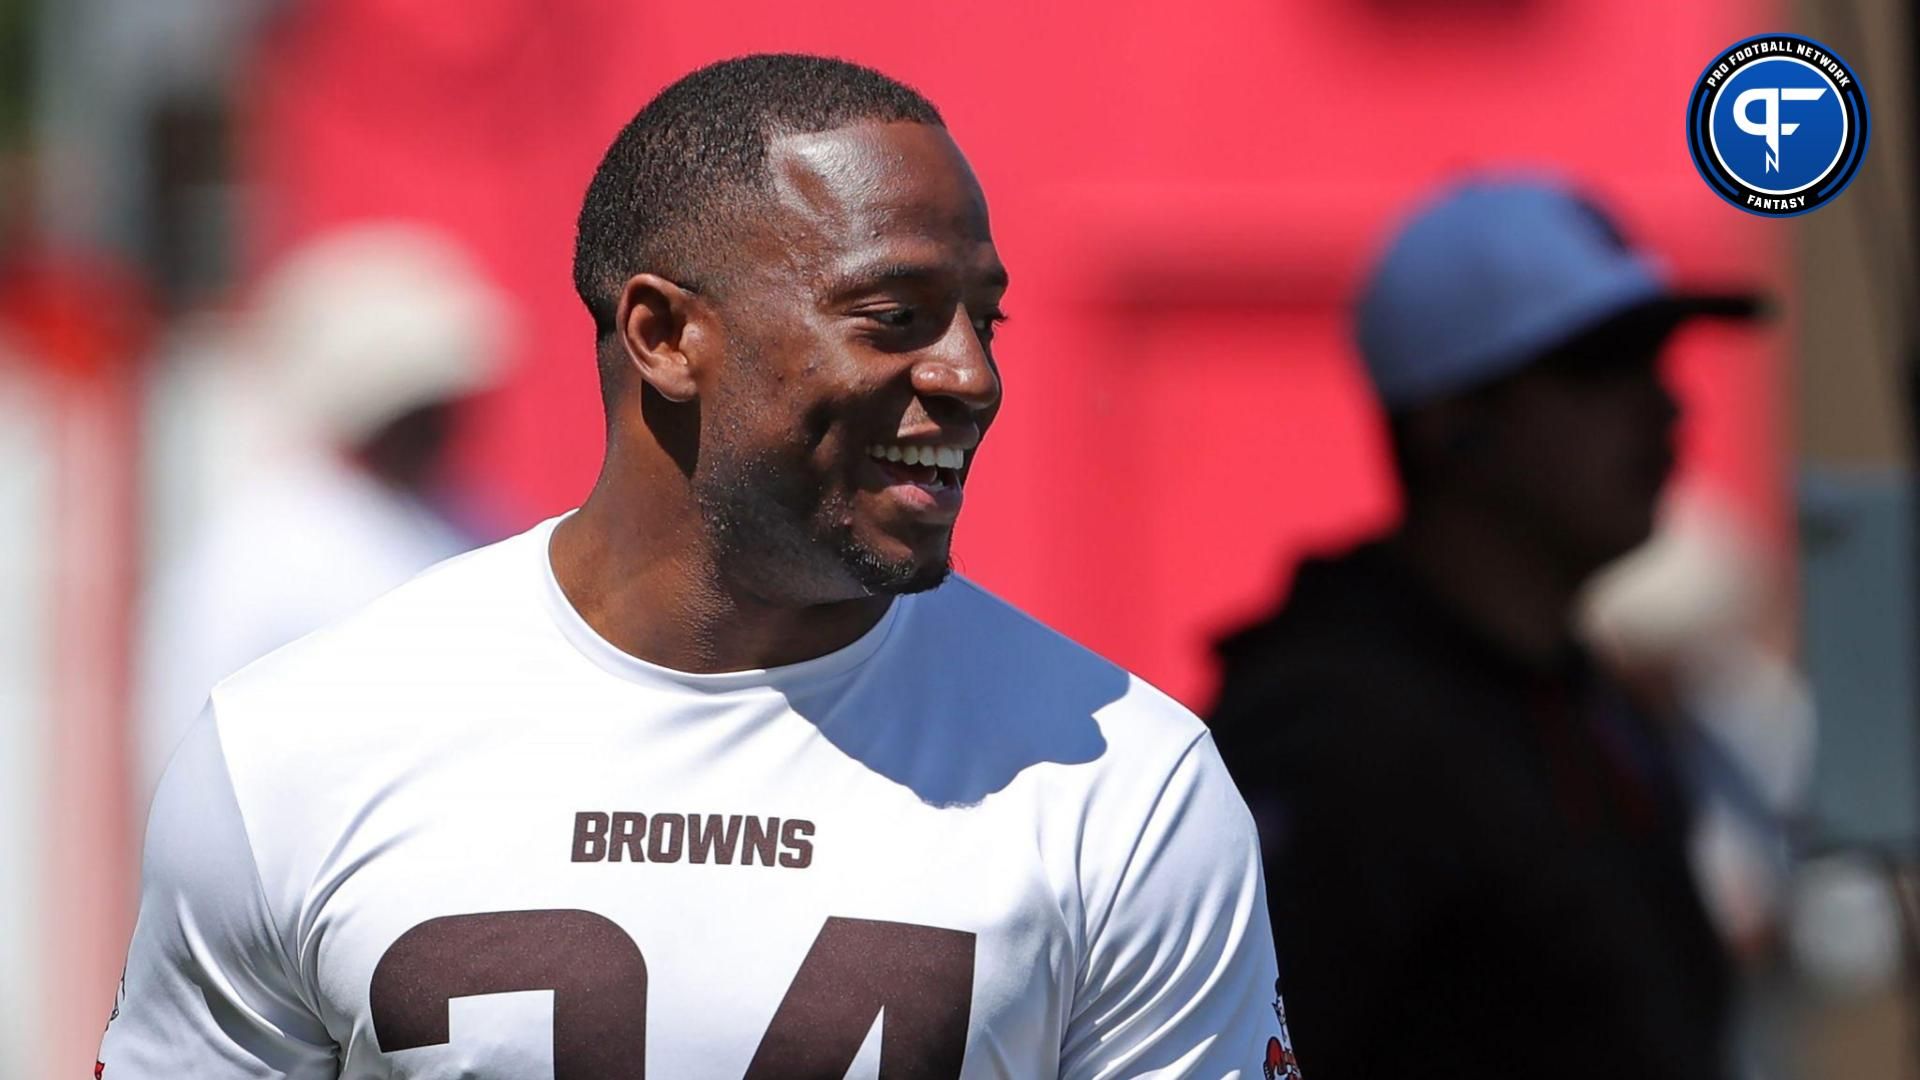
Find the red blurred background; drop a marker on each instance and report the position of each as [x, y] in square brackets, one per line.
[1186, 197]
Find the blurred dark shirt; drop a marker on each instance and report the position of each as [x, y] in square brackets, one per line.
[1476, 866]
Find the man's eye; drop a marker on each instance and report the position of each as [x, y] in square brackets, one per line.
[897, 318]
[985, 324]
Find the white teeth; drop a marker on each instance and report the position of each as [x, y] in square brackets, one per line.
[943, 457]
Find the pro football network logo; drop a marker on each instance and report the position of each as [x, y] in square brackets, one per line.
[1778, 125]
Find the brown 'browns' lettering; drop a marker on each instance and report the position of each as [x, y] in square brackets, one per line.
[725, 839]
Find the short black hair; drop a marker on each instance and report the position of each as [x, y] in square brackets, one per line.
[678, 170]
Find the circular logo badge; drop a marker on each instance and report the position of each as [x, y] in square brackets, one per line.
[1777, 125]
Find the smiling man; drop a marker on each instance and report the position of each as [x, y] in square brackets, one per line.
[723, 775]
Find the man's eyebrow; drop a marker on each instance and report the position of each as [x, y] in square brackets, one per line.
[868, 277]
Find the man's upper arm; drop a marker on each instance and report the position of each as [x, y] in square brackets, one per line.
[1179, 980]
[209, 990]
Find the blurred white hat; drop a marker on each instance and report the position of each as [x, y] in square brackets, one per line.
[369, 322]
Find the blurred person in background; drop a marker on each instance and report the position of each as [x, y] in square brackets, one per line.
[361, 344]
[1475, 842]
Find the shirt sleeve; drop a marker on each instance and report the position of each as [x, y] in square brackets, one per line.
[1180, 979]
[210, 989]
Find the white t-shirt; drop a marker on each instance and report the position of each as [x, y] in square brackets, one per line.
[459, 834]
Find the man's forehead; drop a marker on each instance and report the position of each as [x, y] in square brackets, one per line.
[874, 181]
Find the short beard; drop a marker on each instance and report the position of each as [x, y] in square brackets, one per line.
[765, 527]
[882, 578]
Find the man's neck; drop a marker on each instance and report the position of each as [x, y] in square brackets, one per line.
[1497, 577]
[639, 573]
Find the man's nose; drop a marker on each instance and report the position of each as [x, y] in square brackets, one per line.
[958, 366]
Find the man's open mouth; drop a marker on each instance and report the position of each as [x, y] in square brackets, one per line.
[931, 467]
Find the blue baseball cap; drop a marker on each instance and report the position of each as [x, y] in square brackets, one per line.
[1495, 274]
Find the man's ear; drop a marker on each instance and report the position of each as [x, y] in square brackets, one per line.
[665, 332]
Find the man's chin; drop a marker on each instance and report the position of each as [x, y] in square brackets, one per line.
[900, 580]
[883, 576]
[928, 578]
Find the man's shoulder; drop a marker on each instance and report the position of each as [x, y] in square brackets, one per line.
[1121, 752]
[1350, 720]
[462, 613]
[394, 684]
[1007, 652]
